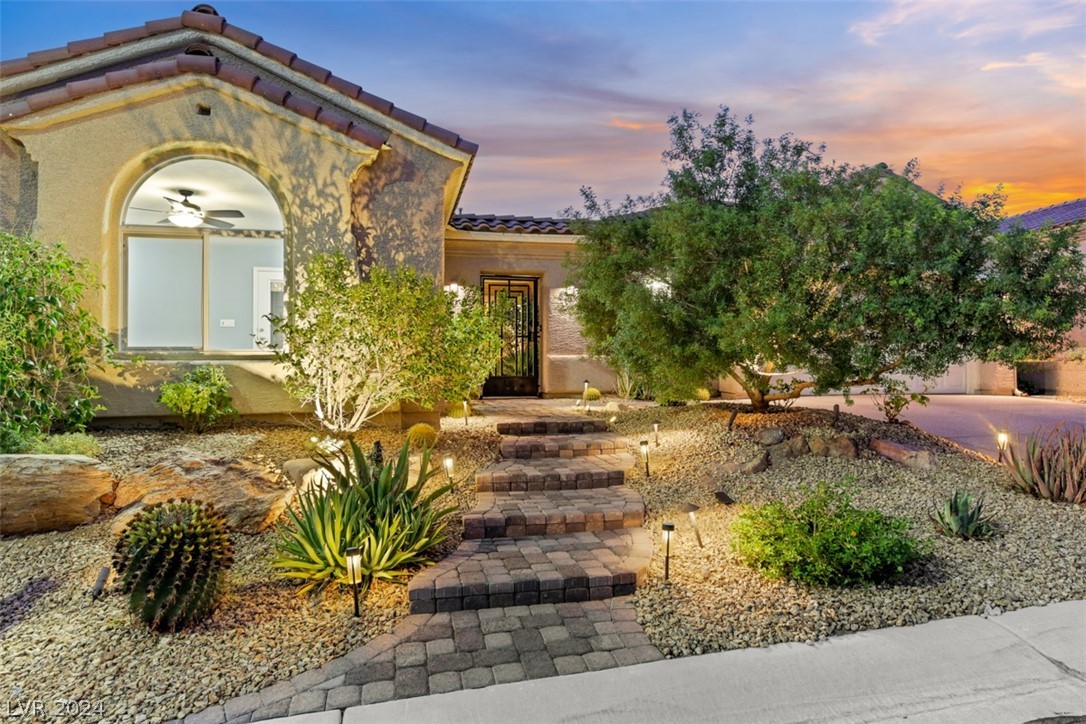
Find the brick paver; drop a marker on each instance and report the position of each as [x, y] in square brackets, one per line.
[553, 512]
[561, 446]
[517, 475]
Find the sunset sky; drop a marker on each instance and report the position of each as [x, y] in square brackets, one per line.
[564, 95]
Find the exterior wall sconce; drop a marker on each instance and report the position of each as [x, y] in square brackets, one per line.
[690, 509]
[1001, 442]
[645, 454]
[448, 463]
[354, 573]
[668, 529]
[656, 432]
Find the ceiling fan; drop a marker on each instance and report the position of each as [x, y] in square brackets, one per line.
[186, 214]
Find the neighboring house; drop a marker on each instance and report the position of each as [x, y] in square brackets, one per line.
[199, 165]
[1066, 374]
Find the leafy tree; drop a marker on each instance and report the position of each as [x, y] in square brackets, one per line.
[47, 341]
[353, 348]
[761, 258]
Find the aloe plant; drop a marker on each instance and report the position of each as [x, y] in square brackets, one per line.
[961, 516]
[1051, 464]
[373, 507]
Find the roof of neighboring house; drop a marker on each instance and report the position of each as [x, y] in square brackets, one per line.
[1056, 215]
[510, 224]
[206, 19]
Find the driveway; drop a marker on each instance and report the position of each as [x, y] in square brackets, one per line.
[970, 420]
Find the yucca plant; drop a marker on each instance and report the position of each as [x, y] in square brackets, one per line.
[374, 507]
[172, 560]
[1051, 464]
[961, 516]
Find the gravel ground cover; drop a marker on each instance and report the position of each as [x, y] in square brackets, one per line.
[59, 644]
[714, 603]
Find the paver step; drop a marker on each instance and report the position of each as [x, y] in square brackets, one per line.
[497, 515]
[553, 426]
[491, 572]
[562, 446]
[522, 475]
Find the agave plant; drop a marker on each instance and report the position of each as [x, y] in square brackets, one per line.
[373, 507]
[961, 516]
[1051, 465]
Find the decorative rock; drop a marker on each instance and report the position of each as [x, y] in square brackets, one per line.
[250, 496]
[305, 473]
[50, 492]
[790, 448]
[907, 455]
[769, 436]
[757, 464]
[834, 447]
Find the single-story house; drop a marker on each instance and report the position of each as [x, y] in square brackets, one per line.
[198, 165]
[1066, 374]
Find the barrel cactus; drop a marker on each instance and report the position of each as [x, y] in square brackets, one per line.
[172, 561]
[421, 436]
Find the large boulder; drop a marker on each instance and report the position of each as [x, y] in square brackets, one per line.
[250, 496]
[840, 446]
[793, 447]
[756, 464]
[907, 455]
[769, 436]
[40, 493]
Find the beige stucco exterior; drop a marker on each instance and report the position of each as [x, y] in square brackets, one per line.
[565, 366]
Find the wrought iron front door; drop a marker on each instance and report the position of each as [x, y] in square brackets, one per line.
[517, 373]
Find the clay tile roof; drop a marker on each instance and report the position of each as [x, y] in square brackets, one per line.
[208, 21]
[1057, 215]
[510, 224]
[191, 64]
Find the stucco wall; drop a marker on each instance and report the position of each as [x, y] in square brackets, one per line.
[81, 162]
[564, 366]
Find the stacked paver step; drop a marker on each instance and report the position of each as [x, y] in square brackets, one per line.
[553, 523]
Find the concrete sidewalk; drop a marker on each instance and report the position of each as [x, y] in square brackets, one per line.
[1018, 667]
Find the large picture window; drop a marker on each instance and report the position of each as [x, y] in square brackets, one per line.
[203, 260]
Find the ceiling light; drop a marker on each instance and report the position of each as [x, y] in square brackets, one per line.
[187, 218]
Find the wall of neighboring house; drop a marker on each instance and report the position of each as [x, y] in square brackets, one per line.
[66, 175]
[469, 255]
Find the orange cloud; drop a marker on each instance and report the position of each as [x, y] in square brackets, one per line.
[617, 122]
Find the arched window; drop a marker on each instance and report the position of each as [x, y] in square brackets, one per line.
[203, 259]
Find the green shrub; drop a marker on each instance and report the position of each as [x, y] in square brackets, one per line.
[1051, 465]
[592, 394]
[73, 443]
[372, 507]
[14, 442]
[824, 540]
[702, 394]
[893, 397]
[172, 561]
[421, 436]
[201, 398]
[960, 516]
[48, 343]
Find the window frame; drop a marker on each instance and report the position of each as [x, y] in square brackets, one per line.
[125, 350]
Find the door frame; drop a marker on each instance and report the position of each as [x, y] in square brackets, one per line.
[530, 385]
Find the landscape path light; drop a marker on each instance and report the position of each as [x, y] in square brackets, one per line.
[690, 509]
[645, 454]
[656, 432]
[587, 407]
[467, 412]
[448, 463]
[668, 529]
[1001, 442]
[354, 573]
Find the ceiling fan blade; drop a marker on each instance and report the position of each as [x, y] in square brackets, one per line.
[218, 224]
[225, 214]
[165, 221]
[138, 208]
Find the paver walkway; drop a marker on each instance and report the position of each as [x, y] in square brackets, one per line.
[536, 589]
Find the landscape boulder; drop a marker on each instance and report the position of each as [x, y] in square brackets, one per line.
[907, 455]
[793, 447]
[250, 496]
[756, 464]
[769, 436]
[40, 493]
[840, 446]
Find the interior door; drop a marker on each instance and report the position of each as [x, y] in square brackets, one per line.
[269, 298]
[517, 372]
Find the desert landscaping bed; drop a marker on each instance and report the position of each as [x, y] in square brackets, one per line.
[714, 603]
[58, 643]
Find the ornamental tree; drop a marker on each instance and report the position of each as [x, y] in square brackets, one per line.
[761, 257]
[354, 347]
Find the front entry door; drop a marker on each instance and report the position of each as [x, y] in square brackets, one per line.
[517, 373]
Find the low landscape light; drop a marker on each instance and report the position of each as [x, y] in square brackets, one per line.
[656, 432]
[585, 396]
[1001, 442]
[448, 463]
[645, 454]
[690, 509]
[354, 573]
[613, 420]
[668, 529]
[467, 412]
